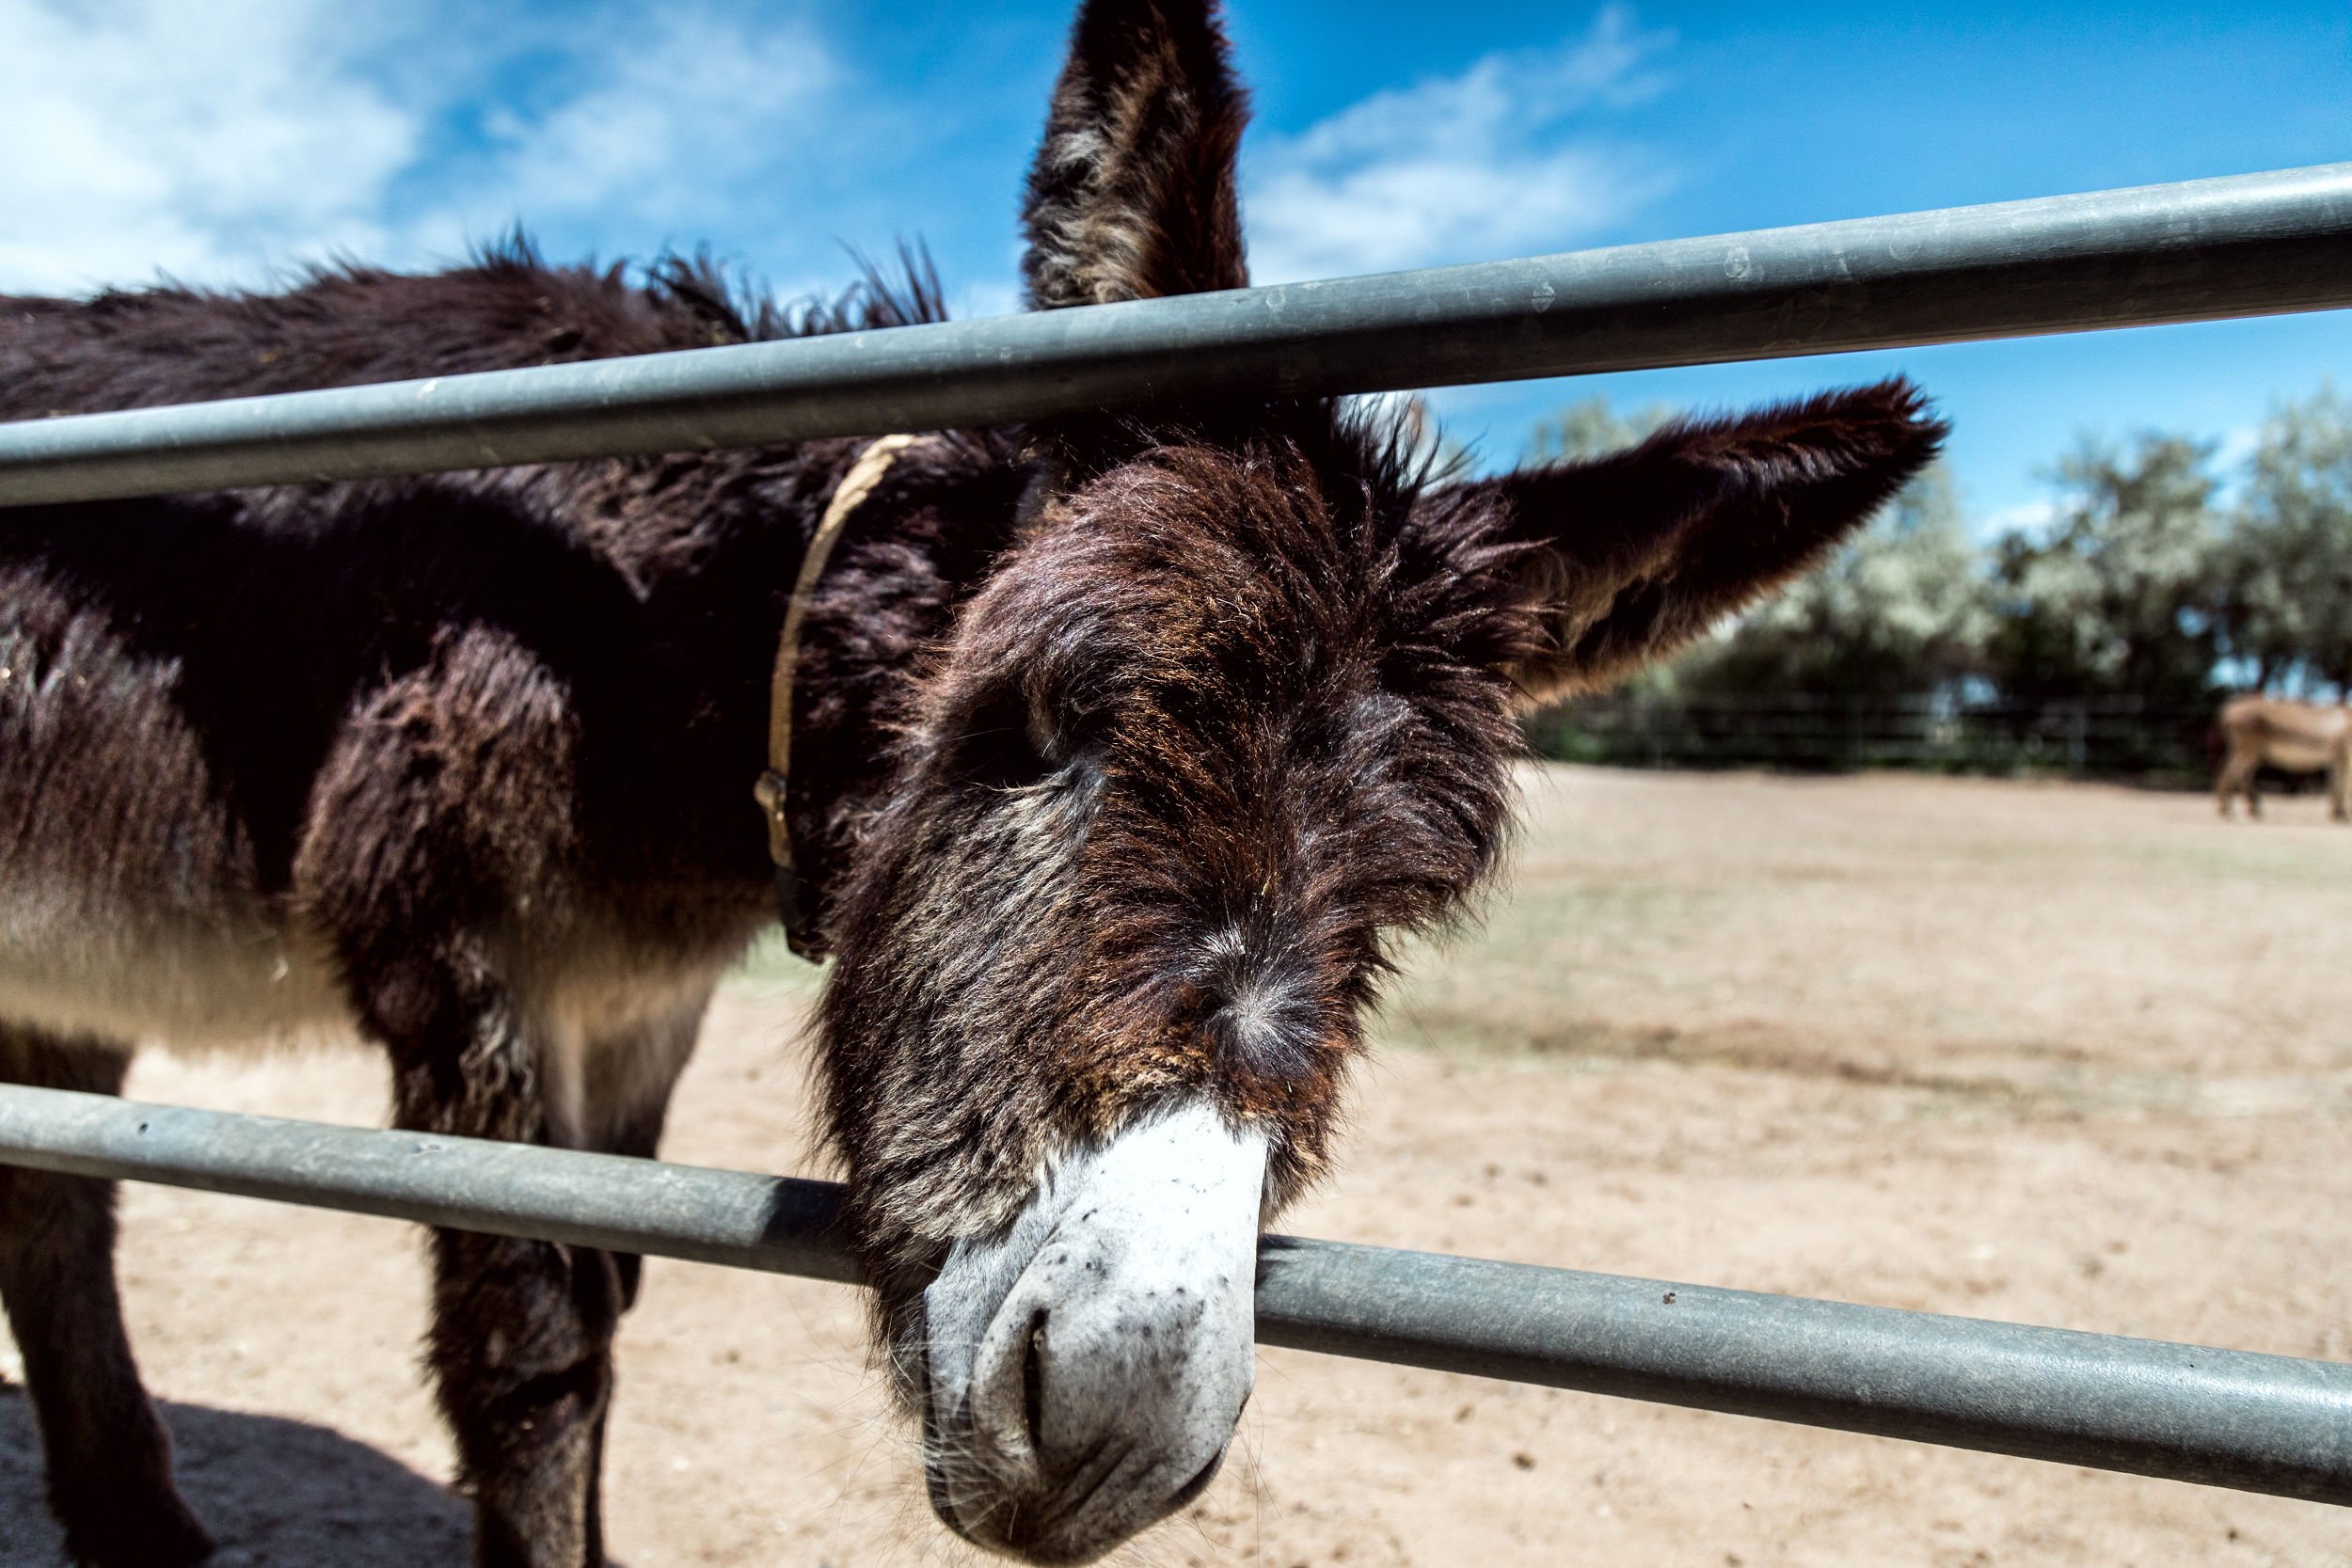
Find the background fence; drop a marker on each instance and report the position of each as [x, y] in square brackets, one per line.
[2114, 738]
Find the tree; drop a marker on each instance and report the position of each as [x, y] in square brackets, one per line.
[2289, 561]
[2122, 596]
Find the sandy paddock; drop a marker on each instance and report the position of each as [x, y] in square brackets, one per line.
[2067, 1055]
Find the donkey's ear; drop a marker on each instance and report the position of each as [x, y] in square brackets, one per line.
[1131, 196]
[1632, 555]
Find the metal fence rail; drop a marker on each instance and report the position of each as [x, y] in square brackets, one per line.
[2198, 250]
[2260, 1424]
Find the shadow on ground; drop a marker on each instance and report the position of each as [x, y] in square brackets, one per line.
[272, 1491]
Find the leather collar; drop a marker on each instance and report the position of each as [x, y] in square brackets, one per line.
[774, 787]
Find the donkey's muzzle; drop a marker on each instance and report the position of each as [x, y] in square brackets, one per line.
[1086, 1369]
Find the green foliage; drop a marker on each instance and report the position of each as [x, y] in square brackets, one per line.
[2138, 596]
[2123, 598]
[2287, 570]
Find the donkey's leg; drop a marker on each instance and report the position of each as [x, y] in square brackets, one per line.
[2237, 777]
[521, 1337]
[109, 1459]
[624, 1083]
[448, 809]
[615, 1094]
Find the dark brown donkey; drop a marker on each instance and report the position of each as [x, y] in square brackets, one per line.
[1124, 747]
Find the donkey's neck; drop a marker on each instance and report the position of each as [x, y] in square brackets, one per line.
[908, 555]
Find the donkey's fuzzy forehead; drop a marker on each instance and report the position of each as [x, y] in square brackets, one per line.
[1259, 656]
[1268, 558]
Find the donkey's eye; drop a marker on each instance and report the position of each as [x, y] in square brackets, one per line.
[1009, 743]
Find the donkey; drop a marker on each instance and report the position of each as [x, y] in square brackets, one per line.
[2298, 737]
[1120, 749]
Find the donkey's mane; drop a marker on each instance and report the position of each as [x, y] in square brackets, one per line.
[907, 294]
[732, 304]
[343, 323]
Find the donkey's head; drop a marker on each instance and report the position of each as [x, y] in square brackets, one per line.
[1234, 709]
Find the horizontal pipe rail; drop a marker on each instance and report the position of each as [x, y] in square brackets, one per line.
[2260, 1424]
[2198, 250]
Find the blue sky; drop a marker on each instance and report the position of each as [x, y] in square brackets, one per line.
[225, 141]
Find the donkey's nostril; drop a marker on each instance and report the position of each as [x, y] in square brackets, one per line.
[1033, 1381]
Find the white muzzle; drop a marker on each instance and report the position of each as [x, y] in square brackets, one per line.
[1086, 1368]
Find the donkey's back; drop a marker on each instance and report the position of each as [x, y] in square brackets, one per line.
[340, 327]
[214, 709]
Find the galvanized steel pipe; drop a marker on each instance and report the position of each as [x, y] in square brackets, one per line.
[2198, 250]
[2260, 1424]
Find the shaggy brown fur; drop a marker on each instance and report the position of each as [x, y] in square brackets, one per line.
[1124, 750]
[1131, 196]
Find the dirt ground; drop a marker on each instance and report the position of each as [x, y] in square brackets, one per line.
[2059, 1053]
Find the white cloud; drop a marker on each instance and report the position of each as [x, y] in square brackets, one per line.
[669, 109]
[219, 141]
[1467, 167]
[2236, 445]
[2034, 519]
[158, 135]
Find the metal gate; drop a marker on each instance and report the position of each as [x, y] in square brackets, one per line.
[2252, 244]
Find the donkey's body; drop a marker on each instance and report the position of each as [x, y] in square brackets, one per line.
[2294, 738]
[458, 763]
[568, 664]
[1120, 747]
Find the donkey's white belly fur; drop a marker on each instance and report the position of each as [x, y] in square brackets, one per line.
[245, 979]
[130, 901]
[75, 961]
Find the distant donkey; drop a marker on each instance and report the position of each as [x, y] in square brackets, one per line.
[1122, 748]
[2294, 738]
